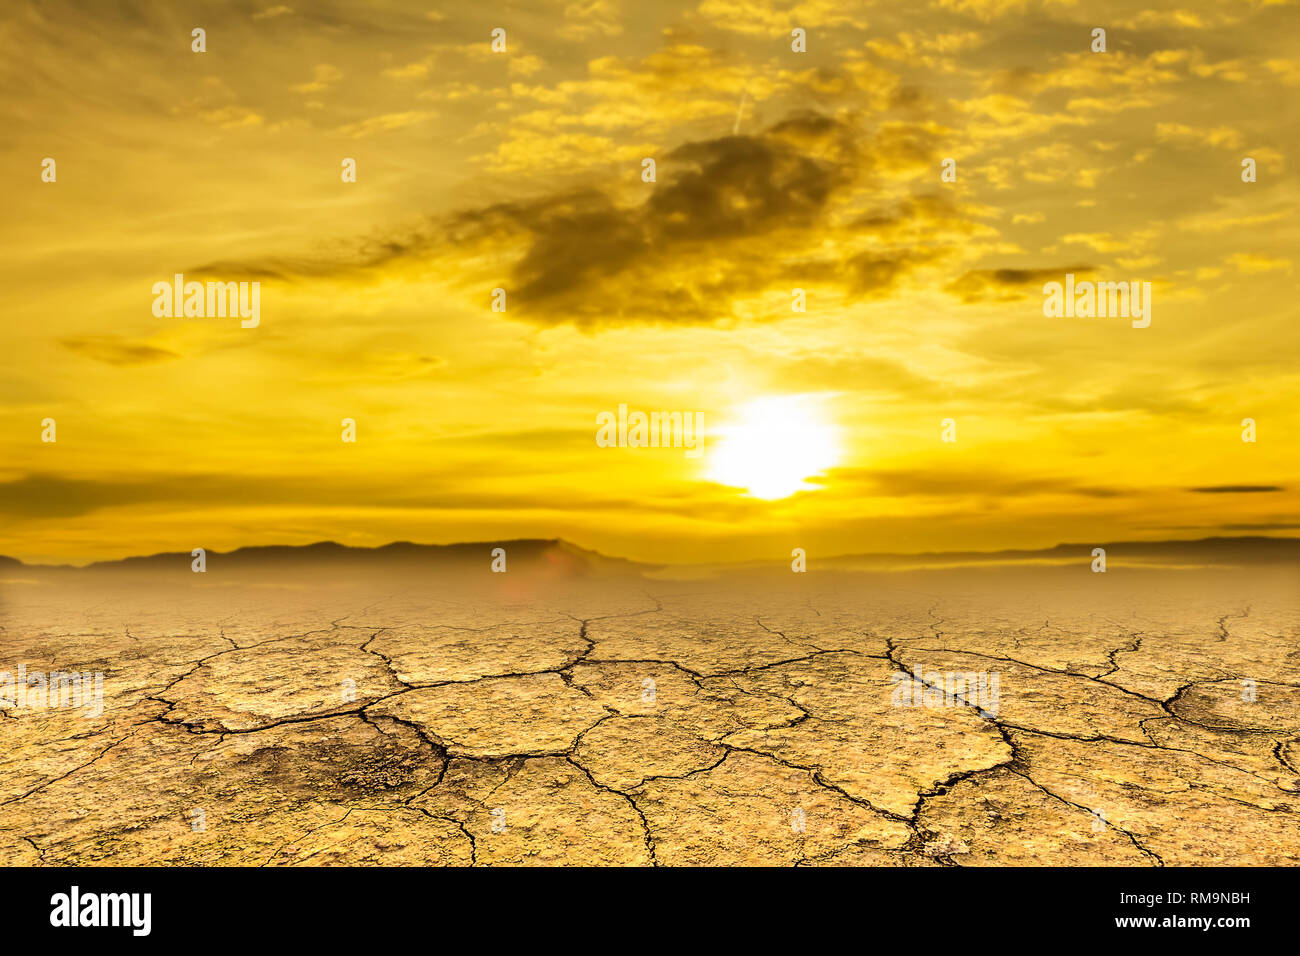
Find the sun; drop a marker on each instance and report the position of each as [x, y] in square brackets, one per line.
[772, 447]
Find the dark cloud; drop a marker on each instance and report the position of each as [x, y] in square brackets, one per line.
[729, 217]
[580, 240]
[733, 216]
[36, 497]
[338, 260]
[591, 261]
[116, 351]
[900, 483]
[980, 285]
[1262, 526]
[1234, 526]
[49, 496]
[907, 216]
[874, 275]
[1235, 489]
[741, 186]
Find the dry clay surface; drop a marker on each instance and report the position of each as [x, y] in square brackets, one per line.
[656, 723]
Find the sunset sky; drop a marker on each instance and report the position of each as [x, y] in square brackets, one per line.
[522, 170]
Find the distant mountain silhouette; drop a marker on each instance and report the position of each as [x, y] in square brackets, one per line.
[1256, 549]
[549, 554]
[560, 557]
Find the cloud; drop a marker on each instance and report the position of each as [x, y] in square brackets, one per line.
[1252, 264]
[411, 71]
[979, 285]
[51, 496]
[729, 219]
[872, 275]
[745, 185]
[232, 117]
[913, 482]
[767, 18]
[585, 19]
[1260, 526]
[384, 123]
[323, 77]
[112, 350]
[1184, 135]
[40, 496]
[759, 203]
[1236, 489]
[1176, 19]
[1288, 71]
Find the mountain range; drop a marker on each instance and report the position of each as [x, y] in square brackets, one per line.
[565, 558]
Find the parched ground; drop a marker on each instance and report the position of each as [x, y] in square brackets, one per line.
[1142, 718]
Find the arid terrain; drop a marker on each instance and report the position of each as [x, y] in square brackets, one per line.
[564, 713]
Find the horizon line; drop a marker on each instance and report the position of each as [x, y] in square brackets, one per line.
[499, 542]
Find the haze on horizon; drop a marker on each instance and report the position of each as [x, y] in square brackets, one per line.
[522, 170]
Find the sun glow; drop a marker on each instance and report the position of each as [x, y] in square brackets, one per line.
[773, 446]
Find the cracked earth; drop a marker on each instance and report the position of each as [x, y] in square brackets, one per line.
[644, 722]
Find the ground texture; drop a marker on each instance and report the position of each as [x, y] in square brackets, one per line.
[641, 723]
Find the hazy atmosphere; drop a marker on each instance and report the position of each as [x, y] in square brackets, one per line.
[523, 170]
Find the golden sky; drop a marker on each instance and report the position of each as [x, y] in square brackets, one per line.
[522, 170]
